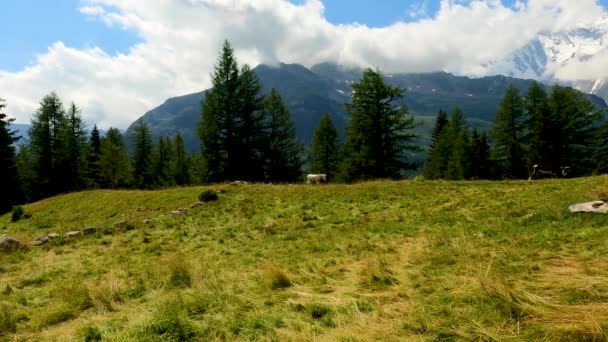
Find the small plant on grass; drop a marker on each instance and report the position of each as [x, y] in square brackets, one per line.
[17, 213]
[8, 319]
[377, 275]
[179, 272]
[91, 333]
[278, 278]
[170, 323]
[208, 196]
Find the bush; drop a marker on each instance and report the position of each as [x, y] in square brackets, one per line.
[17, 213]
[207, 196]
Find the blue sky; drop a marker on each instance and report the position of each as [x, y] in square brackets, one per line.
[116, 75]
[31, 26]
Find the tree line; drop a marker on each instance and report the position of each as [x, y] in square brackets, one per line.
[560, 129]
[249, 136]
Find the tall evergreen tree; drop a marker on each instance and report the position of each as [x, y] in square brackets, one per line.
[143, 173]
[282, 154]
[162, 162]
[380, 131]
[249, 127]
[480, 167]
[458, 160]
[113, 162]
[220, 110]
[508, 135]
[324, 151]
[48, 146]
[94, 174]
[440, 149]
[181, 172]
[76, 144]
[27, 173]
[540, 126]
[576, 120]
[9, 181]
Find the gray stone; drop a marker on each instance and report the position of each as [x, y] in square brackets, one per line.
[38, 243]
[52, 235]
[592, 207]
[197, 204]
[43, 238]
[146, 221]
[8, 244]
[175, 212]
[74, 233]
[121, 224]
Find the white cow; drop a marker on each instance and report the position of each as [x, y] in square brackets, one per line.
[316, 178]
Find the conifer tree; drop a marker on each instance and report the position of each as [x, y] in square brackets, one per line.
[93, 156]
[114, 163]
[282, 154]
[143, 173]
[458, 160]
[27, 173]
[76, 143]
[539, 125]
[324, 151]
[9, 181]
[380, 131]
[48, 146]
[509, 133]
[440, 149]
[576, 120]
[217, 128]
[181, 172]
[480, 167]
[162, 162]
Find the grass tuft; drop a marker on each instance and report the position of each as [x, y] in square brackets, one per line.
[8, 319]
[180, 274]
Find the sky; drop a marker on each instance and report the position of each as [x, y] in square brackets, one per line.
[117, 59]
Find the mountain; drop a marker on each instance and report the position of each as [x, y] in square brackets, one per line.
[325, 88]
[549, 52]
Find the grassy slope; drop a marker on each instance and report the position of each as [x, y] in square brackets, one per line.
[365, 262]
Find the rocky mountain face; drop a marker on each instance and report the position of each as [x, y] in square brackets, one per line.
[325, 88]
[545, 55]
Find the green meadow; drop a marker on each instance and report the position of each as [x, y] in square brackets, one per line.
[383, 260]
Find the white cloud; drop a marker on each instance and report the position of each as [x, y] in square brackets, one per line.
[181, 40]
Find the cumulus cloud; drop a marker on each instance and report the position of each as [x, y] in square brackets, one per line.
[180, 40]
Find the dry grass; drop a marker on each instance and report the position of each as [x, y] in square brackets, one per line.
[364, 262]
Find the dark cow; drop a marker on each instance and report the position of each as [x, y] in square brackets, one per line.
[539, 171]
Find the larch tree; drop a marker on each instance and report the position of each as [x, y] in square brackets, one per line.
[143, 172]
[380, 132]
[509, 130]
[439, 151]
[76, 145]
[282, 153]
[9, 180]
[94, 175]
[114, 162]
[181, 173]
[324, 150]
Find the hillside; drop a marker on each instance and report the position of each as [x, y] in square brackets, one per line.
[365, 262]
[325, 88]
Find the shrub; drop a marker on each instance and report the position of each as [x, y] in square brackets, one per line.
[207, 196]
[17, 213]
[278, 278]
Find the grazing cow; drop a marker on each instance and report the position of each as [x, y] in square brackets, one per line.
[316, 178]
[539, 171]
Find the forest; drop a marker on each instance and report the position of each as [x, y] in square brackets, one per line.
[249, 136]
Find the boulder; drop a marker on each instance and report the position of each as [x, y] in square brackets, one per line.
[52, 235]
[121, 224]
[89, 230]
[592, 207]
[9, 244]
[175, 212]
[72, 234]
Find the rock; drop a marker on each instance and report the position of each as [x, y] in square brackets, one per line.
[9, 244]
[197, 204]
[592, 207]
[175, 212]
[146, 221]
[43, 238]
[37, 243]
[89, 230]
[74, 233]
[52, 235]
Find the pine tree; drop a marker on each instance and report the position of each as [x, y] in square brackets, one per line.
[324, 151]
[143, 173]
[458, 160]
[282, 154]
[539, 125]
[217, 129]
[601, 154]
[163, 161]
[508, 135]
[437, 161]
[380, 131]
[576, 119]
[480, 167]
[9, 181]
[181, 172]
[76, 144]
[93, 156]
[48, 145]
[27, 173]
[249, 127]
[113, 162]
